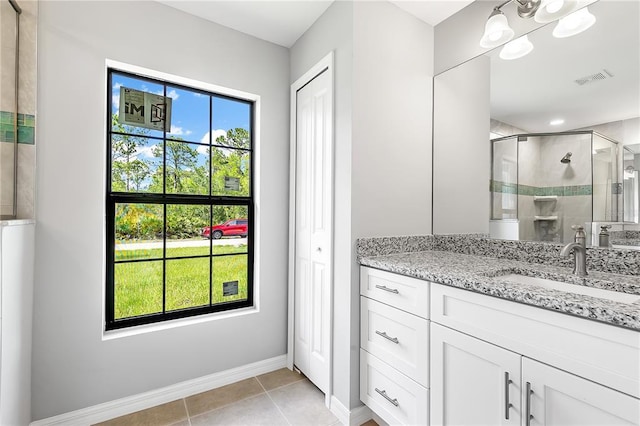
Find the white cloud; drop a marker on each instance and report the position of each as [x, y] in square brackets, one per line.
[198, 95]
[176, 130]
[115, 102]
[117, 86]
[203, 150]
[173, 94]
[146, 151]
[216, 133]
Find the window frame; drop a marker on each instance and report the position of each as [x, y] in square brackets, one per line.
[165, 199]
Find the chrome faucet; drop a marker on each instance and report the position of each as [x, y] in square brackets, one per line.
[580, 255]
[579, 249]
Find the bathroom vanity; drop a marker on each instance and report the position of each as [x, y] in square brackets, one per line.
[451, 339]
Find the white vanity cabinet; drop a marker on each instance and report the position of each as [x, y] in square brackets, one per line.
[434, 355]
[510, 376]
[475, 382]
[394, 346]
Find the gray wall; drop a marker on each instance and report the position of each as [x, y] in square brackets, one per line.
[73, 367]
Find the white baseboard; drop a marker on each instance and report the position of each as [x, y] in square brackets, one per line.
[142, 401]
[354, 417]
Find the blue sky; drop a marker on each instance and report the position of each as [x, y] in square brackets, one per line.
[190, 113]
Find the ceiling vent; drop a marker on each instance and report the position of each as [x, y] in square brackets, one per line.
[602, 75]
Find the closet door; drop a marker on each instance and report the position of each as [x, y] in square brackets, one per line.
[313, 231]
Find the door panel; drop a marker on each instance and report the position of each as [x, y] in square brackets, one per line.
[469, 382]
[563, 399]
[313, 231]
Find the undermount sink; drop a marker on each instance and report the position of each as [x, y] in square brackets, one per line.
[600, 293]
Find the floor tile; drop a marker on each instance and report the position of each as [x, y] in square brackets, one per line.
[303, 404]
[255, 411]
[162, 415]
[278, 378]
[225, 395]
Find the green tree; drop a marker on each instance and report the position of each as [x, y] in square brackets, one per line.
[128, 172]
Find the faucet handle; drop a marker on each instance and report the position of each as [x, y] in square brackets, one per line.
[577, 228]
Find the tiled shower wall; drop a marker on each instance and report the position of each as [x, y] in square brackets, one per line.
[27, 108]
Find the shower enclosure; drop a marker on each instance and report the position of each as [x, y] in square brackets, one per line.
[9, 48]
[543, 183]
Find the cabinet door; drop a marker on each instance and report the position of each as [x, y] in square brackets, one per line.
[559, 398]
[472, 382]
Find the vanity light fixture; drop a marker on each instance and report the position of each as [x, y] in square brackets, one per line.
[517, 48]
[550, 10]
[497, 30]
[574, 24]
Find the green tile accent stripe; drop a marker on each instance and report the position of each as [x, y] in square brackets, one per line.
[560, 191]
[26, 128]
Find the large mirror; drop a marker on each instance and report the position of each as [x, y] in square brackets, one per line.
[544, 133]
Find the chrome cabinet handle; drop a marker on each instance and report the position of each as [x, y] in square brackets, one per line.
[385, 288]
[384, 334]
[507, 404]
[528, 415]
[394, 401]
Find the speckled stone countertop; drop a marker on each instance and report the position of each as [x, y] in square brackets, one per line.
[482, 274]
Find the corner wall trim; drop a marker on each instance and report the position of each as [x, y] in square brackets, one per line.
[142, 401]
[355, 417]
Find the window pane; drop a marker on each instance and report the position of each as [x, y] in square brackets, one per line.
[231, 121]
[229, 278]
[189, 116]
[138, 231]
[230, 171]
[118, 81]
[138, 289]
[134, 164]
[185, 223]
[187, 283]
[187, 168]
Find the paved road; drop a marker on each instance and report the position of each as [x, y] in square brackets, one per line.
[180, 243]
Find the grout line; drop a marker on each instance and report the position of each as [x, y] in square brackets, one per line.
[273, 402]
[184, 401]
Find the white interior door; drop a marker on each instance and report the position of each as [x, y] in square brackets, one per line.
[313, 230]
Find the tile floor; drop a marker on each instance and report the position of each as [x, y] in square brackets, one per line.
[278, 398]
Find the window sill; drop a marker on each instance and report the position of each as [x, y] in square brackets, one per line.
[181, 322]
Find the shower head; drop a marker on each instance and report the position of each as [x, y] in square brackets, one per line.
[566, 159]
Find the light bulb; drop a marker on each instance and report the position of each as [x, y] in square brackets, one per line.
[554, 6]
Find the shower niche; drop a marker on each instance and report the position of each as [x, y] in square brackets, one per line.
[543, 183]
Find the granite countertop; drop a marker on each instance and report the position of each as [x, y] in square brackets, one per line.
[483, 275]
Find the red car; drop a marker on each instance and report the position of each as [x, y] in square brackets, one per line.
[231, 228]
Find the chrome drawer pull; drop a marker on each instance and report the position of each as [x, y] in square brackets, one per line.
[507, 404]
[384, 334]
[528, 415]
[385, 288]
[394, 401]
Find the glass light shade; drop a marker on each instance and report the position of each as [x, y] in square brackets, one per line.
[517, 48]
[550, 10]
[574, 24]
[496, 31]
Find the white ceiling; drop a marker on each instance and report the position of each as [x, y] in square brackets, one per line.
[284, 21]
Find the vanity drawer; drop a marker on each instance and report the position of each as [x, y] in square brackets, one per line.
[599, 352]
[390, 394]
[396, 337]
[408, 294]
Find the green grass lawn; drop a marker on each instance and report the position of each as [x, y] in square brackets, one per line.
[138, 286]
